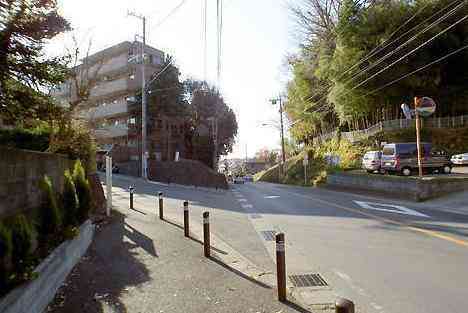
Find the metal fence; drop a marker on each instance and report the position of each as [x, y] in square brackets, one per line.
[354, 136]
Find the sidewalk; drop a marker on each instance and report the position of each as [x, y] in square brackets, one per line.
[138, 263]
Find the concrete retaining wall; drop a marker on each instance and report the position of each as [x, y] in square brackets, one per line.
[20, 173]
[186, 172]
[412, 187]
[34, 296]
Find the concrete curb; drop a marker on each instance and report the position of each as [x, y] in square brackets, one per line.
[34, 296]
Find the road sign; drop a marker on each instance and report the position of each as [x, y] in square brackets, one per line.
[425, 106]
[392, 208]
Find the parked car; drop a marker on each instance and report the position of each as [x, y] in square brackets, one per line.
[248, 178]
[402, 158]
[460, 159]
[238, 180]
[371, 161]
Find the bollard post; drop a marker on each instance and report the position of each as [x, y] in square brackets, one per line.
[161, 208]
[131, 197]
[206, 233]
[186, 220]
[344, 306]
[280, 267]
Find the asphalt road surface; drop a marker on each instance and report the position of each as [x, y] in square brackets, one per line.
[388, 256]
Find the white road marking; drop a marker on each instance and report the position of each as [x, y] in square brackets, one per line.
[271, 197]
[350, 282]
[392, 208]
[376, 306]
[247, 206]
[242, 200]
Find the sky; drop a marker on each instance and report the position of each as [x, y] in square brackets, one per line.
[257, 37]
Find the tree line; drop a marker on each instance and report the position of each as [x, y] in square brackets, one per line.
[356, 58]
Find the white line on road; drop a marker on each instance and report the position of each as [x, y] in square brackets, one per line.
[392, 208]
[242, 200]
[247, 206]
[271, 197]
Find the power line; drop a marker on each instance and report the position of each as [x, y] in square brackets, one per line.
[438, 21]
[407, 54]
[418, 70]
[371, 54]
[205, 39]
[411, 52]
[172, 12]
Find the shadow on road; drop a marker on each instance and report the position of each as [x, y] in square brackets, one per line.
[108, 269]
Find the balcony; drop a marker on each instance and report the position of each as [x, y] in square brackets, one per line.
[108, 88]
[111, 132]
[105, 111]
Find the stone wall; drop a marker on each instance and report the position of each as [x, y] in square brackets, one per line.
[20, 173]
[409, 187]
[186, 172]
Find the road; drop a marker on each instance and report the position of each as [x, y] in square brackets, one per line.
[388, 256]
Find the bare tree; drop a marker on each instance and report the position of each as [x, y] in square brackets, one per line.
[84, 74]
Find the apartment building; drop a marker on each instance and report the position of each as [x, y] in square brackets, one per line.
[115, 121]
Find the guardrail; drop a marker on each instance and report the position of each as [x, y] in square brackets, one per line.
[390, 125]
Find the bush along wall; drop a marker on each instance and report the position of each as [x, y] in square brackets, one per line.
[25, 241]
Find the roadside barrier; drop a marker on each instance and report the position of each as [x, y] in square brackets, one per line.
[186, 220]
[344, 306]
[161, 206]
[280, 267]
[206, 234]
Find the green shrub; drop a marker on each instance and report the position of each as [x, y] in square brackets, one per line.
[6, 248]
[36, 139]
[83, 190]
[22, 236]
[77, 143]
[49, 214]
[69, 201]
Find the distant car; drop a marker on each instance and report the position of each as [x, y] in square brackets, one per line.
[248, 178]
[460, 159]
[371, 161]
[402, 158]
[238, 180]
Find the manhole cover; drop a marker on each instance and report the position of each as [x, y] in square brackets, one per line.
[255, 215]
[268, 235]
[307, 280]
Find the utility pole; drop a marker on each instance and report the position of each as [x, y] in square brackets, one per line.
[283, 155]
[143, 97]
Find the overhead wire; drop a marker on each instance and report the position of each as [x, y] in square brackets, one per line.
[170, 14]
[383, 45]
[417, 70]
[411, 52]
[439, 20]
[410, 40]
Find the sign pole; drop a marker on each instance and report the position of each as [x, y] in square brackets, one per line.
[109, 184]
[418, 135]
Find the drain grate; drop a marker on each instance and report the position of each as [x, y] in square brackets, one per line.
[268, 235]
[308, 280]
[255, 215]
